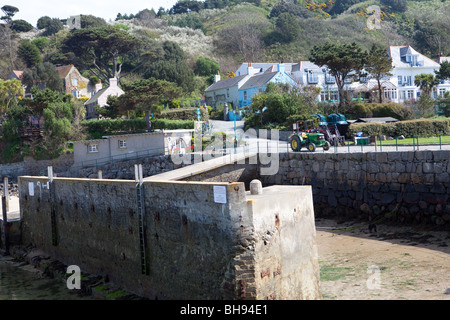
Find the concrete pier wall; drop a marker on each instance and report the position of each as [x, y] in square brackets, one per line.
[204, 240]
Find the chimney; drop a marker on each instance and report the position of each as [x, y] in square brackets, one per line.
[281, 68]
[113, 82]
[250, 70]
[217, 77]
[98, 86]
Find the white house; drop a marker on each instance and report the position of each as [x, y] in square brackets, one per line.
[100, 97]
[407, 63]
[400, 87]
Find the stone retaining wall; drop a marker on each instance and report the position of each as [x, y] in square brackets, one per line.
[408, 187]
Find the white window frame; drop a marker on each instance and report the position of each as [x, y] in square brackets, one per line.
[93, 148]
[122, 144]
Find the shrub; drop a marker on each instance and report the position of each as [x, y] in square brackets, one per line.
[408, 128]
[184, 114]
[370, 110]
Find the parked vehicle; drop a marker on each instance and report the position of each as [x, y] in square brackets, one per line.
[304, 135]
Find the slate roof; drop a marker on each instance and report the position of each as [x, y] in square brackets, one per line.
[225, 83]
[95, 97]
[64, 70]
[258, 80]
[397, 52]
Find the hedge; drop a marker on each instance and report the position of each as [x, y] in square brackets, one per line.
[98, 128]
[370, 110]
[183, 114]
[408, 128]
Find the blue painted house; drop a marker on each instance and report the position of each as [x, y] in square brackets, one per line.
[239, 90]
[258, 83]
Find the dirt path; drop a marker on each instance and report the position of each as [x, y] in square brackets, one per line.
[395, 263]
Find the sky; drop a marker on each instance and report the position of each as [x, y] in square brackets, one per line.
[32, 10]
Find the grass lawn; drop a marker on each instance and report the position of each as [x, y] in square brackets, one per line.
[422, 141]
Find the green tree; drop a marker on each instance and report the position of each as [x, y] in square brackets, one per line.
[9, 12]
[43, 22]
[9, 91]
[396, 5]
[90, 21]
[29, 53]
[102, 50]
[426, 82]
[205, 66]
[378, 65]
[21, 26]
[53, 26]
[58, 127]
[342, 60]
[168, 62]
[145, 96]
[45, 74]
[288, 27]
[444, 71]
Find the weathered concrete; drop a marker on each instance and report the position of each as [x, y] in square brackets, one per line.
[204, 240]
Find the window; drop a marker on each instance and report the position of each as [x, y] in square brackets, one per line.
[441, 92]
[75, 82]
[122, 144]
[399, 80]
[92, 148]
[312, 77]
[245, 94]
[410, 94]
[228, 93]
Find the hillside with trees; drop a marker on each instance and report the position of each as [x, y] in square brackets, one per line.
[182, 48]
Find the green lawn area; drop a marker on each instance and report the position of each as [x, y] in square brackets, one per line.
[422, 141]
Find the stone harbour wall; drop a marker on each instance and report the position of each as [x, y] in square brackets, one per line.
[406, 187]
[203, 240]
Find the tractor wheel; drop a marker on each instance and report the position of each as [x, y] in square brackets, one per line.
[311, 147]
[296, 143]
[326, 146]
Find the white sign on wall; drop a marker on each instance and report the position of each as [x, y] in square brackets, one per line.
[31, 188]
[220, 194]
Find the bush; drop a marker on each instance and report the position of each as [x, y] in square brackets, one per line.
[409, 128]
[98, 128]
[370, 110]
[184, 114]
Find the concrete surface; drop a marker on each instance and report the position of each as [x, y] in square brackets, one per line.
[14, 209]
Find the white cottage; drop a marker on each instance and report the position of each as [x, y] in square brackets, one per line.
[100, 97]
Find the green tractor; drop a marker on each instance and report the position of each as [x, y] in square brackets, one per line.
[307, 137]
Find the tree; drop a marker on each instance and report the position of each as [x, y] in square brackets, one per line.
[53, 26]
[378, 65]
[102, 50]
[45, 74]
[43, 22]
[288, 27]
[396, 5]
[168, 62]
[341, 60]
[186, 6]
[205, 66]
[21, 26]
[9, 90]
[144, 95]
[90, 21]
[29, 53]
[444, 71]
[426, 82]
[9, 12]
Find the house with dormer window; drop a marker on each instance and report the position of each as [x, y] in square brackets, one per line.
[238, 91]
